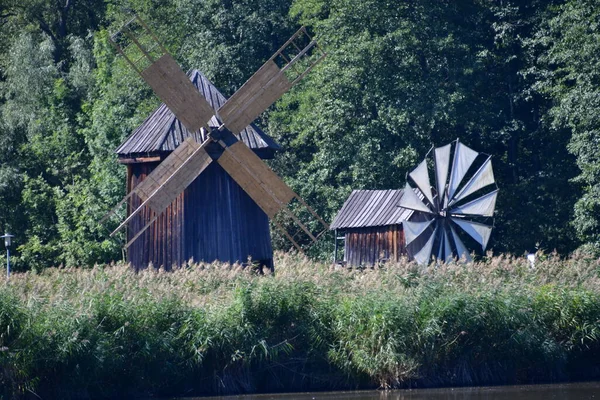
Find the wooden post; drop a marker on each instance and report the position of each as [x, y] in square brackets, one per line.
[335, 247]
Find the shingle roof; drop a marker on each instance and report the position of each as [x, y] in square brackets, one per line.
[162, 132]
[371, 208]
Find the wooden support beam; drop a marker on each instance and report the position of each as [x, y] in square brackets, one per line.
[115, 208]
[286, 233]
[151, 32]
[299, 223]
[139, 160]
[131, 36]
[141, 231]
[314, 214]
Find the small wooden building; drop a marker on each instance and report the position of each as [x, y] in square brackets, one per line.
[213, 219]
[371, 223]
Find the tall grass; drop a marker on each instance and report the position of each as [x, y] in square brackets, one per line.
[108, 332]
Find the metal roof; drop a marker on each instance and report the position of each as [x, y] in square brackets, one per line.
[371, 208]
[162, 132]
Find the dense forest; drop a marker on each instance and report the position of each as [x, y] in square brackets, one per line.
[519, 80]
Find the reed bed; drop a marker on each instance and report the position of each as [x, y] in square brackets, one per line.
[109, 332]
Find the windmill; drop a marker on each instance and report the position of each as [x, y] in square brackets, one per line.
[140, 47]
[462, 199]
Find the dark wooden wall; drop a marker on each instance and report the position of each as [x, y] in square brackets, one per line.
[368, 246]
[161, 244]
[213, 219]
[223, 222]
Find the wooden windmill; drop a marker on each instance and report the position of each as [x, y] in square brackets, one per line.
[147, 56]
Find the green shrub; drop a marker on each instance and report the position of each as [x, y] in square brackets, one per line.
[217, 329]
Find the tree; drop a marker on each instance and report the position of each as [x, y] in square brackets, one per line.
[400, 78]
[569, 73]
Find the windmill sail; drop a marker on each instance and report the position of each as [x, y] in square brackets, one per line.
[424, 255]
[421, 177]
[482, 178]
[447, 248]
[483, 206]
[463, 158]
[461, 250]
[267, 85]
[163, 75]
[479, 232]
[413, 229]
[411, 201]
[442, 162]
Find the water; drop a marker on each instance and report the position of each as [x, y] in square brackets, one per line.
[570, 391]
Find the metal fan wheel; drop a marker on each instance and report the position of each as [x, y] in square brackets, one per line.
[463, 199]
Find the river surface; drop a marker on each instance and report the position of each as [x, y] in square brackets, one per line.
[570, 391]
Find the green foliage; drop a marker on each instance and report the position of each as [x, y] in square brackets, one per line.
[569, 74]
[109, 332]
[516, 80]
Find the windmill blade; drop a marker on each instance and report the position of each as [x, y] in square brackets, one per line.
[413, 229]
[463, 158]
[163, 74]
[483, 206]
[442, 162]
[461, 250]
[440, 254]
[421, 177]
[423, 256]
[176, 90]
[268, 84]
[256, 178]
[412, 202]
[267, 190]
[170, 178]
[482, 178]
[447, 247]
[479, 232]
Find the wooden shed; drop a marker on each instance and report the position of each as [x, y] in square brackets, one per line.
[371, 222]
[213, 219]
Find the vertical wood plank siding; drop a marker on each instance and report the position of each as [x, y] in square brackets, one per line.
[213, 219]
[158, 245]
[369, 245]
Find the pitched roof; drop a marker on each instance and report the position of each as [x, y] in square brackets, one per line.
[371, 208]
[162, 132]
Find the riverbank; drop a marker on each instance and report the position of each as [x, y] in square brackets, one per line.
[211, 329]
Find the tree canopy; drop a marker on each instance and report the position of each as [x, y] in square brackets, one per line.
[517, 80]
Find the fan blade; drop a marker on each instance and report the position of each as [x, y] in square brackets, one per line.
[256, 178]
[421, 177]
[413, 229]
[483, 206]
[479, 232]
[442, 162]
[463, 158]
[424, 255]
[482, 178]
[461, 250]
[411, 201]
